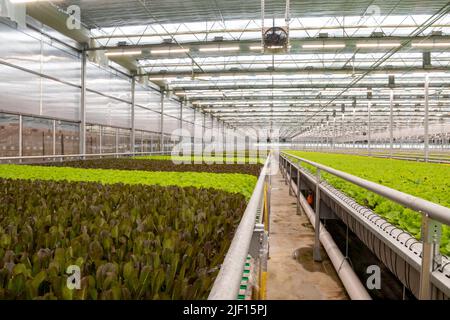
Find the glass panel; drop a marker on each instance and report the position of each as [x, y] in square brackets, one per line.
[67, 138]
[138, 146]
[156, 142]
[147, 142]
[124, 141]
[108, 140]
[37, 136]
[9, 135]
[93, 139]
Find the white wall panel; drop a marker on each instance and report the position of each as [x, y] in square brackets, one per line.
[60, 100]
[107, 111]
[107, 82]
[147, 120]
[147, 98]
[19, 91]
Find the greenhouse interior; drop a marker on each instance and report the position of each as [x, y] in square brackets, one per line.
[225, 150]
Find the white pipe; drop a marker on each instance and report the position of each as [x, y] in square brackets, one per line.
[350, 280]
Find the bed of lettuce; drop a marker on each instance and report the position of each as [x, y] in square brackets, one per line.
[130, 241]
[229, 182]
[425, 180]
[159, 165]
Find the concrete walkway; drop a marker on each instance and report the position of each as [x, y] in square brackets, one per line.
[292, 273]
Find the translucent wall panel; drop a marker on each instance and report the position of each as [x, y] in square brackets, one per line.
[147, 139]
[108, 140]
[138, 146]
[188, 114]
[147, 120]
[170, 124]
[208, 122]
[108, 83]
[172, 108]
[107, 111]
[146, 97]
[19, 91]
[124, 140]
[156, 142]
[67, 140]
[37, 136]
[189, 127]
[9, 135]
[60, 100]
[20, 49]
[93, 137]
[60, 64]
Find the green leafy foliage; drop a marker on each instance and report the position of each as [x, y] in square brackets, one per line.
[425, 180]
[230, 182]
[130, 241]
[160, 165]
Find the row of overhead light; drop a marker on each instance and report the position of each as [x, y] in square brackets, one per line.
[258, 48]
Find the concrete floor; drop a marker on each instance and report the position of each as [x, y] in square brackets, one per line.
[292, 273]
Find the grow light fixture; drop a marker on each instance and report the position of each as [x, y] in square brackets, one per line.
[430, 44]
[157, 78]
[26, 1]
[323, 46]
[123, 53]
[378, 45]
[218, 49]
[165, 51]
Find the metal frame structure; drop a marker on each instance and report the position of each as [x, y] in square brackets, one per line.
[359, 44]
[433, 215]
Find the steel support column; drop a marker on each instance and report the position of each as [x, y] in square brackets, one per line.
[162, 122]
[369, 130]
[133, 114]
[316, 253]
[391, 123]
[426, 119]
[83, 103]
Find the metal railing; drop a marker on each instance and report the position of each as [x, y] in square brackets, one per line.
[432, 215]
[227, 283]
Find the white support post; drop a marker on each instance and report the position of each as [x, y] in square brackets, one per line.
[426, 119]
[117, 142]
[369, 133]
[162, 122]
[20, 136]
[83, 103]
[431, 239]
[391, 123]
[334, 133]
[54, 137]
[133, 115]
[316, 253]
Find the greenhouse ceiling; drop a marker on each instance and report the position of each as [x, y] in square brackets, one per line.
[340, 57]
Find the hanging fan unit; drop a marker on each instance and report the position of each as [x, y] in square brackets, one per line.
[276, 39]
